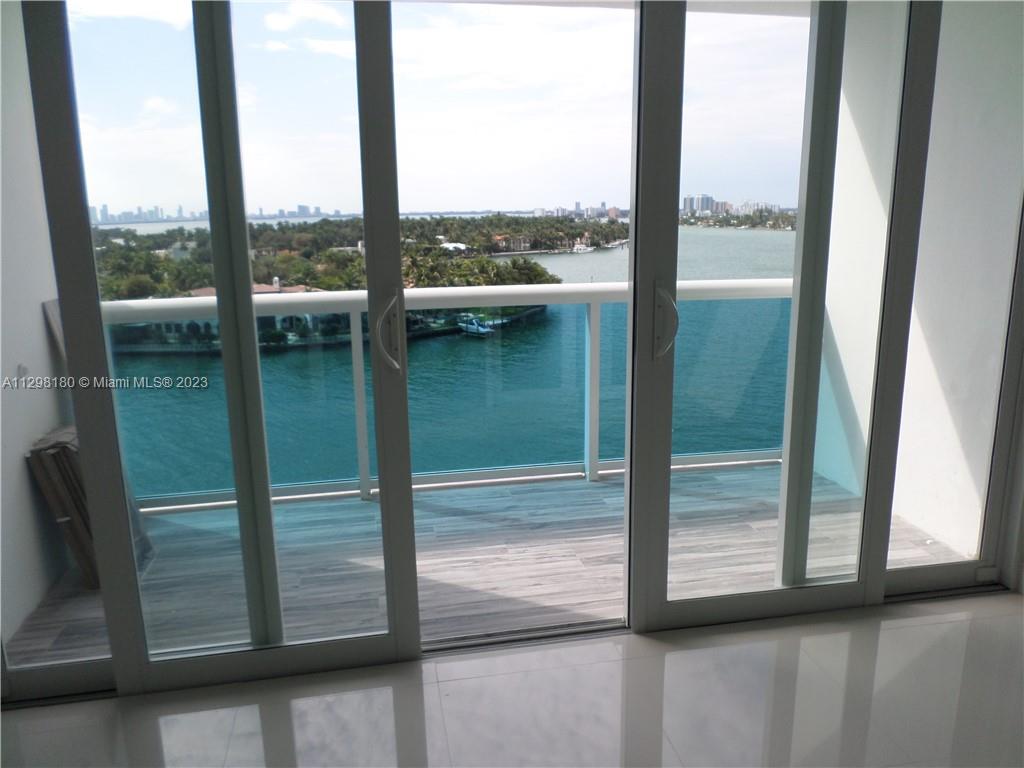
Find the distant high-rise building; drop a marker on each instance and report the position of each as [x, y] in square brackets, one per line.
[181, 212]
[93, 219]
[697, 204]
[280, 213]
[614, 213]
[316, 211]
[578, 209]
[104, 214]
[302, 210]
[750, 207]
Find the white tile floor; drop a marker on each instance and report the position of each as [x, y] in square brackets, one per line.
[935, 682]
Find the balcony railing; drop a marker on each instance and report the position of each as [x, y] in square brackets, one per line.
[354, 303]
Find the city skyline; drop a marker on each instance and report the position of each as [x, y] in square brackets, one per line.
[483, 123]
[696, 204]
[103, 215]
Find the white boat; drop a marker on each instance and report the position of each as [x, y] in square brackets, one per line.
[471, 326]
[581, 248]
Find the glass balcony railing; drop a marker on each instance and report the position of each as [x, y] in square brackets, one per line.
[560, 409]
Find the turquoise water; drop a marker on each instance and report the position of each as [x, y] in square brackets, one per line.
[513, 399]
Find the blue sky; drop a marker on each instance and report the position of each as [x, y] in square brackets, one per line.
[498, 106]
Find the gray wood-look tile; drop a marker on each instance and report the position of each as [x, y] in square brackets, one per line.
[490, 559]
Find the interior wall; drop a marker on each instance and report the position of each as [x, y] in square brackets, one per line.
[972, 206]
[32, 549]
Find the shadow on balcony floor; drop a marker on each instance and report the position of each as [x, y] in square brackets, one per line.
[490, 559]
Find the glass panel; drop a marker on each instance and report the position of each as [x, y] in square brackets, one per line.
[520, 395]
[496, 144]
[962, 288]
[743, 109]
[52, 608]
[865, 161]
[143, 160]
[613, 379]
[300, 149]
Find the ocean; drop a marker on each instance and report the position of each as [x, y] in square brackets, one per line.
[514, 399]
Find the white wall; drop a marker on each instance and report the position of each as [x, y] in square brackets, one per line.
[865, 156]
[972, 208]
[33, 553]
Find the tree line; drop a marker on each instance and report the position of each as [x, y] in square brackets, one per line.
[759, 219]
[325, 254]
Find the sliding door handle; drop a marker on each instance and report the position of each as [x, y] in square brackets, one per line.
[666, 321]
[388, 347]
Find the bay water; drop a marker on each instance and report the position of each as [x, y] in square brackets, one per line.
[513, 399]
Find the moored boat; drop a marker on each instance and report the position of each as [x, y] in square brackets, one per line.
[472, 326]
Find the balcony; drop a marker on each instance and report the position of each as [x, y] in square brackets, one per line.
[499, 548]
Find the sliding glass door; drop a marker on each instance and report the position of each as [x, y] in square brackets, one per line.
[734, 276]
[514, 177]
[235, 464]
[764, 303]
[950, 466]
[188, 552]
[309, 291]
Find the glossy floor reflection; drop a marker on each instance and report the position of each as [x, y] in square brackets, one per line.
[935, 682]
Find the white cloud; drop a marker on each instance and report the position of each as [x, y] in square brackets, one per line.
[345, 49]
[507, 107]
[177, 13]
[247, 95]
[300, 11]
[274, 46]
[531, 105]
[498, 48]
[314, 167]
[158, 105]
[144, 162]
[497, 106]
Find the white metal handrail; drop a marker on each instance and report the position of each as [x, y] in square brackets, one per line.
[339, 302]
[354, 303]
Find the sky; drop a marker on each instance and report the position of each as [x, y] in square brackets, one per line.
[498, 107]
